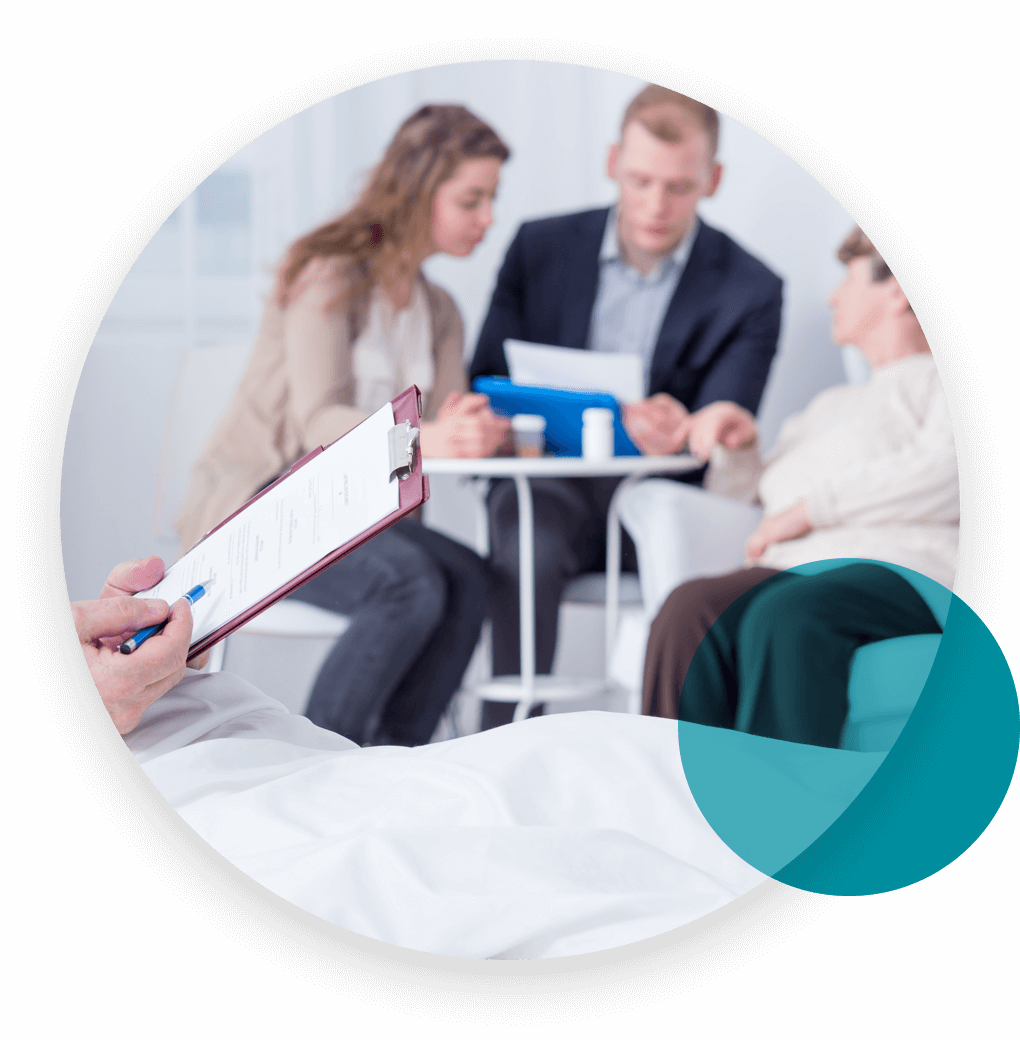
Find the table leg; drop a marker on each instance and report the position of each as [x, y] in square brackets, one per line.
[613, 582]
[612, 573]
[526, 563]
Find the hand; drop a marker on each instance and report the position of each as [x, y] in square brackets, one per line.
[780, 527]
[465, 428]
[657, 425]
[129, 683]
[722, 422]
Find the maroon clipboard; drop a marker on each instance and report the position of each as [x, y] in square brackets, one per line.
[413, 491]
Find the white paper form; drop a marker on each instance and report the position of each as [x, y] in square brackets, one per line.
[534, 364]
[331, 499]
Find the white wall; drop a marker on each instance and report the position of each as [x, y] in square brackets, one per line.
[201, 283]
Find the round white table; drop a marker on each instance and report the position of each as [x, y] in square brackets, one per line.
[527, 688]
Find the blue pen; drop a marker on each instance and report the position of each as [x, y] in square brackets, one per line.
[192, 596]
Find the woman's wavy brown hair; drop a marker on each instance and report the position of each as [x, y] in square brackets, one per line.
[390, 226]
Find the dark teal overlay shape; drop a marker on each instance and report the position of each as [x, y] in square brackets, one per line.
[854, 823]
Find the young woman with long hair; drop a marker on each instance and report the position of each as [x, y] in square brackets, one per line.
[352, 322]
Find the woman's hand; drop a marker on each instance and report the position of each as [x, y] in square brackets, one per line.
[722, 422]
[780, 527]
[657, 425]
[465, 428]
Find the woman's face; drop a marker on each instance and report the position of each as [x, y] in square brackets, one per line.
[858, 304]
[462, 207]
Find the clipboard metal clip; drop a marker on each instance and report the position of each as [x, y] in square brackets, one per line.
[403, 438]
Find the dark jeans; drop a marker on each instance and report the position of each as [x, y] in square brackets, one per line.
[417, 600]
[769, 652]
[570, 539]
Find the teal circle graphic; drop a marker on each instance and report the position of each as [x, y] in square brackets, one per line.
[883, 810]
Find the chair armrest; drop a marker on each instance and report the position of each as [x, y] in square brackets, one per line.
[886, 679]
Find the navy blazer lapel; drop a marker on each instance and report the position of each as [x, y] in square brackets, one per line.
[689, 303]
[581, 279]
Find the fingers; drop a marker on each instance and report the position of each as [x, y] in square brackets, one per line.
[681, 434]
[117, 615]
[449, 406]
[198, 663]
[703, 435]
[479, 434]
[134, 576]
[469, 404]
[179, 630]
[165, 655]
[721, 423]
[129, 683]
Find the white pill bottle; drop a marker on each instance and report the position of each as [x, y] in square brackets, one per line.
[597, 433]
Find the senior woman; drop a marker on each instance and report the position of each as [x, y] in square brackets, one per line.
[864, 472]
[353, 321]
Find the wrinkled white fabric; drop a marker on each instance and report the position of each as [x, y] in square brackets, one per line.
[561, 835]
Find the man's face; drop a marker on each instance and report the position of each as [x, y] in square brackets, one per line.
[858, 303]
[660, 185]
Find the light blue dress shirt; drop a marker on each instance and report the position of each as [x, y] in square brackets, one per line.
[630, 306]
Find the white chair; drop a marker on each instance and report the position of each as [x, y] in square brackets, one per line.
[206, 380]
[594, 605]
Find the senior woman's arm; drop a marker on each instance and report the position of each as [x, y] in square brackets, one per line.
[918, 483]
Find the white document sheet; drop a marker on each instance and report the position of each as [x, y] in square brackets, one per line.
[333, 498]
[534, 364]
[556, 836]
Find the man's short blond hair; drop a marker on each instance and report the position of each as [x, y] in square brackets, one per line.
[655, 108]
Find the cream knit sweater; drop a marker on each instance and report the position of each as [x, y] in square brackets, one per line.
[875, 465]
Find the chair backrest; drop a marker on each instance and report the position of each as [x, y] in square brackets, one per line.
[206, 379]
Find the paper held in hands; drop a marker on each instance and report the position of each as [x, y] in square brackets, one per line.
[330, 502]
[534, 364]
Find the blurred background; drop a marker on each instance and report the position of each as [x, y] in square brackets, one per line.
[199, 284]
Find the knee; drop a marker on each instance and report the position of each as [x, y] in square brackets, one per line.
[411, 578]
[426, 588]
[788, 610]
[469, 581]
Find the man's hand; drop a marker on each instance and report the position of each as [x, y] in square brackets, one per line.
[465, 428]
[722, 422]
[780, 527]
[657, 425]
[129, 683]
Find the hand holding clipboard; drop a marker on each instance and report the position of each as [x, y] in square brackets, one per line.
[327, 504]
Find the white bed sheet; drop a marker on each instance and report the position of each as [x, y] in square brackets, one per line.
[561, 835]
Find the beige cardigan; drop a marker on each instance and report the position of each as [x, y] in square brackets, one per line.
[876, 467]
[297, 393]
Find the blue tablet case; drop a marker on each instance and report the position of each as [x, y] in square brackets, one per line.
[562, 409]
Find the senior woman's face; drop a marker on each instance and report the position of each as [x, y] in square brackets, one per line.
[462, 208]
[858, 304]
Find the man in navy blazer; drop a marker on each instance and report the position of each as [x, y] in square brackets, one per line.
[645, 276]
